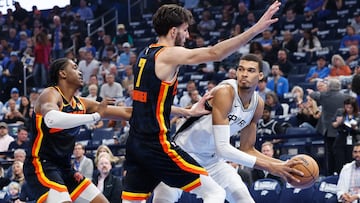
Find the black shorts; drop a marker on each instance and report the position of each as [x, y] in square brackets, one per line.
[150, 161]
[46, 176]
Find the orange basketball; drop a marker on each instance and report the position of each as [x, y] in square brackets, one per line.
[310, 169]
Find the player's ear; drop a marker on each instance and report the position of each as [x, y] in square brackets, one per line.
[62, 74]
[173, 31]
[261, 75]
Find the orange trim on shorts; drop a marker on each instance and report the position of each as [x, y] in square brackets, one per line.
[134, 196]
[196, 183]
[42, 198]
[37, 163]
[79, 189]
[163, 138]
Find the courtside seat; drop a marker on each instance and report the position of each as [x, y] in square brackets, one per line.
[325, 191]
[265, 190]
[289, 194]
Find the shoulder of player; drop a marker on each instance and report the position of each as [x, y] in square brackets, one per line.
[222, 94]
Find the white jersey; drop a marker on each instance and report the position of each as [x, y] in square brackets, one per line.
[198, 139]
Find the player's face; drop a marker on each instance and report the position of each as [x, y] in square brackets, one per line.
[248, 74]
[182, 33]
[73, 74]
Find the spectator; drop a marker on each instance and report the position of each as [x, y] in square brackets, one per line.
[339, 67]
[309, 114]
[257, 49]
[19, 155]
[266, 40]
[13, 73]
[12, 39]
[309, 21]
[77, 30]
[355, 22]
[289, 22]
[122, 36]
[60, 38]
[354, 58]
[130, 94]
[268, 125]
[242, 14]
[288, 42]
[267, 148]
[111, 89]
[296, 97]
[85, 12]
[24, 108]
[278, 83]
[5, 138]
[88, 66]
[103, 148]
[272, 100]
[107, 183]
[4, 181]
[309, 44]
[89, 46]
[22, 140]
[206, 24]
[93, 80]
[330, 100]
[231, 74]
[13, 115]
[98, 40]
[13, 192]
[106, 44]
[14, 94]
[93, 93]
[128, 79]
[285, 65]
[262, 89]
[104, 69]
[346, 121]
[320, 71]
[348, 183]
[81, 163]
[124, 58]
[351, 38]
[185, 99]
[17, 172]
[42, 52]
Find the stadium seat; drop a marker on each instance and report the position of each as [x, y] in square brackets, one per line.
[289, 194]
[84, 136]
[325, 191]
[265, 190]
[101, 135]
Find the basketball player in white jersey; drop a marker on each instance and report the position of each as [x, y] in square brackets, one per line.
[235, 107]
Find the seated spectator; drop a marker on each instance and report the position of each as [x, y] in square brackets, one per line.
[272, 100]
[296, 98]
[93, 80]
[93, 93]
[81, 163]
[5, 138]
[15, 95]
[267, 125]
[13, 192]
[355, 22]
[121, 37]
[309, 44]
[309, 21]
[278, 83]
[267, 148]
[104, 69]
[347, 187]
[4, 181]
[351, 38]
[339, 67]
[128, 79]
[13, 115]
[231, 74]
[110, 185]
[124, 57]
[22, 140]
[319, 71]
[308, 114]
[285, 65]
[19, 155]
[24, 109]
[206, 24]
[288, 42]
[103, 148]
[262, 89]
[185, 99]
[89, 46]
[17, 172]
[111, 89]
[194, 97]
[354, 58]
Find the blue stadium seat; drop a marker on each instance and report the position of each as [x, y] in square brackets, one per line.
[265, 190]
[290, 194]
[325, 191]
[102, 134]
[84, 136]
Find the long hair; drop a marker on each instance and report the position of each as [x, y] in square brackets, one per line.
[352, 101]
[168, 16]
[55, 67]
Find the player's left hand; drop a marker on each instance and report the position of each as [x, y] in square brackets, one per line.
[198, 109]
[286, 171]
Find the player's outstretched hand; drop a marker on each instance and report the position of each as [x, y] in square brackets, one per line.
[285, 170]
[266, 20]
[198, 108]
[103, 106]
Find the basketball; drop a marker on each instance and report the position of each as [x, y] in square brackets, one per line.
[310, 169]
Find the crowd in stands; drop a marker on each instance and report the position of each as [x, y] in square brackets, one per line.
[310, 57]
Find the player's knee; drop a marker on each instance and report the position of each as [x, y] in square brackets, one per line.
[166, 194]
[209, 190]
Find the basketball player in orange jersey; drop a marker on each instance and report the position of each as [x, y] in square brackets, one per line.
[150, 156]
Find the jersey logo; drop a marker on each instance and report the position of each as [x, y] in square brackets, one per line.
[237, 120]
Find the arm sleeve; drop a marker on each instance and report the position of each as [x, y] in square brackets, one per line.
[58, 119]
[227, 151]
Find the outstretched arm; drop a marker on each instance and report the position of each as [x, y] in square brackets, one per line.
[197, 109]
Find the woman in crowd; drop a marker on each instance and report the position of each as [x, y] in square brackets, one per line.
[309, 114]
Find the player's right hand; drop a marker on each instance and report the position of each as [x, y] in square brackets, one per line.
[103, 106]
[285, 170]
